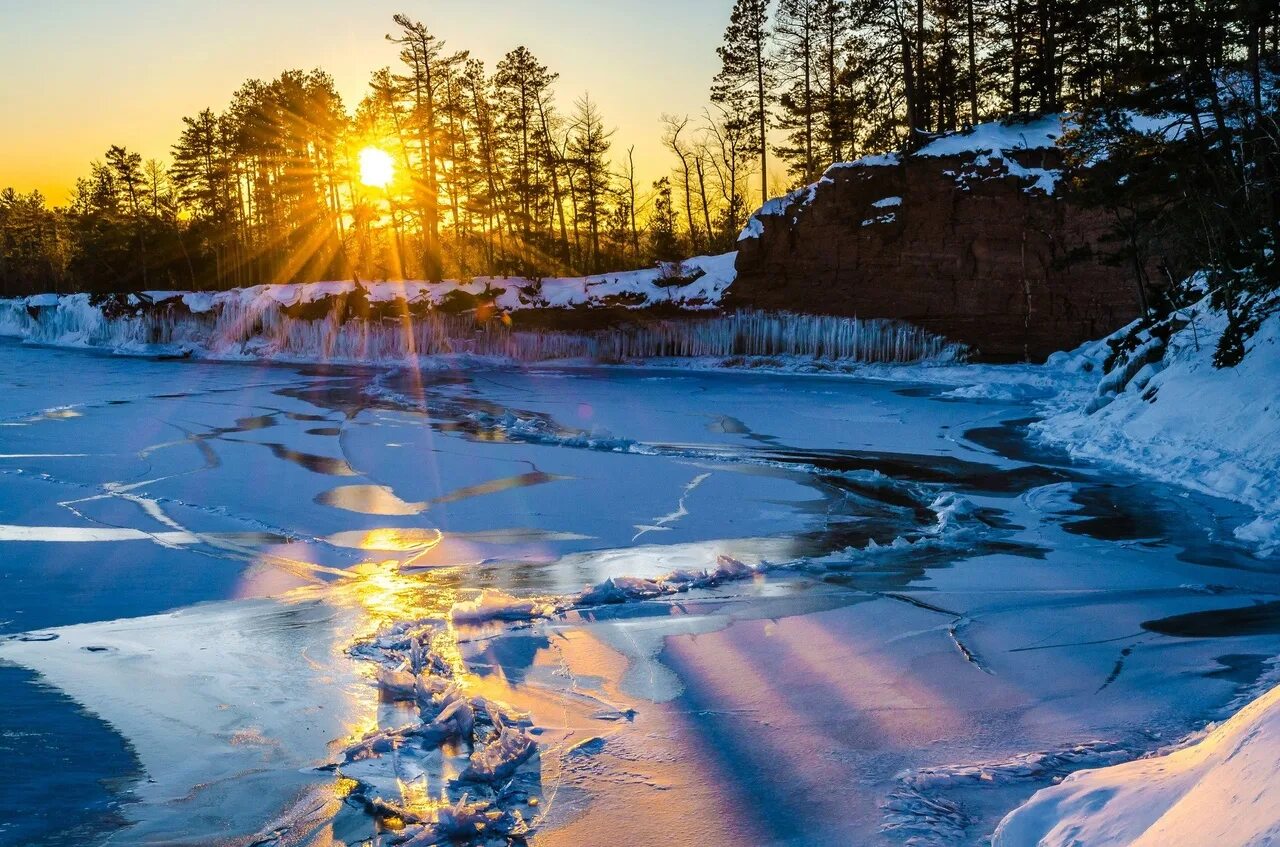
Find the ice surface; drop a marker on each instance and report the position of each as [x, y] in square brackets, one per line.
[217, 703]
[874, 586]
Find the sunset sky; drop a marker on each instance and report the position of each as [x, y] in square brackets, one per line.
[79, 75]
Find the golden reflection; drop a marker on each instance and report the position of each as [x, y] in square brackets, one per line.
[419, 542]
[386, 593]
[382, 593]
[402, 540]
[368, 500]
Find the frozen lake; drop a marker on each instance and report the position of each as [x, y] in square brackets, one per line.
[948, 619]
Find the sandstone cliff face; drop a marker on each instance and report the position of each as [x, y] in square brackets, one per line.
[970, 245]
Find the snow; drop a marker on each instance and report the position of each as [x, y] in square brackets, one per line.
[997, 136]
[1223, 790]
[707, 280]
[1174, 416]
[992, 145]
[753, 229]
[777, 207]
[877, 160]
[887, 202]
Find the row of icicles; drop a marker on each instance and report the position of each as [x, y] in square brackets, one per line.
[258, 328]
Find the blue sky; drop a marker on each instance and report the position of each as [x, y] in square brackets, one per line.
[78, 75]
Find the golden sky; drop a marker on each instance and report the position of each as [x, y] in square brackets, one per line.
[79, 75]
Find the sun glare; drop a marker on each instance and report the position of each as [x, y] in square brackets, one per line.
[376, 167]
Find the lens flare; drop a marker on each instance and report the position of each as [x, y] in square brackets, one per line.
[377, 168]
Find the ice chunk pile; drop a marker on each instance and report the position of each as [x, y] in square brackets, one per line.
[487, 745]
[489, 605]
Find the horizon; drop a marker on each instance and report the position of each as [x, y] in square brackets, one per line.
[47, 59]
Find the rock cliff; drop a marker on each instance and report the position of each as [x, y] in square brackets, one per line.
[968, 238]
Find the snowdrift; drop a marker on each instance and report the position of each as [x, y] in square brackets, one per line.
[1223, 790]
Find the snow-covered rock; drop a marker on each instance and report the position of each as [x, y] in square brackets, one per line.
[703, 283]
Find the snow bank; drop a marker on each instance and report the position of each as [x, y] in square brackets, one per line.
[997, 137]
[1223, 790]
[1168, 412]
[920, 810]
[995, 145]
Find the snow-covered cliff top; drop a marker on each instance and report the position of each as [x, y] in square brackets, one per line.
[701, 283]
[990, 145]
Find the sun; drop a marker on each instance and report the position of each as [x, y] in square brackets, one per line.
[376, 167]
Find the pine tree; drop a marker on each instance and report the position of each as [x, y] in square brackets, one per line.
[589, 148]
[520, 84]
[421, 53]
[746, 77]
[664, 226]
[797, 34]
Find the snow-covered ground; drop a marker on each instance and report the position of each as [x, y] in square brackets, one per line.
[990, 151]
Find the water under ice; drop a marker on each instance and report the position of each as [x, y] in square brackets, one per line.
[304, 605]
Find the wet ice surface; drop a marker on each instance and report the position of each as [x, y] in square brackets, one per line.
[924, 618]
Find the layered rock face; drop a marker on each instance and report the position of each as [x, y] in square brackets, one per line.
[974, 245]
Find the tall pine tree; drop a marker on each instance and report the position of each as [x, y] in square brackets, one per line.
[743, 85]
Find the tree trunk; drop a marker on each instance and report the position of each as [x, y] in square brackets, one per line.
[973, 64]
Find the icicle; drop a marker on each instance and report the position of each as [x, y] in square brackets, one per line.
[252, 326]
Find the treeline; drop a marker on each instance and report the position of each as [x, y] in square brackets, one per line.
[492, 174]
[841, 78]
